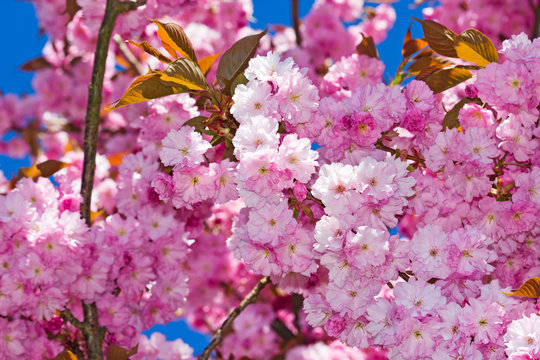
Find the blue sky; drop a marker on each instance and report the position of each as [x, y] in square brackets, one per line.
[22, 42]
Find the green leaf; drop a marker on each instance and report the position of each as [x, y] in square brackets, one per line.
[440, 79]
[367, 47]
[531, 288]
[149, 49]
[451, 118]
[174, 39]
[184, 72]
[240, 79]
[198, 122]
[439, 37]
[471, 45]
[235, 60]
[147, 87]
[307, 210]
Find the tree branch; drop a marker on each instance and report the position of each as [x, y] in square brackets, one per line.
[249, 299]
[112, 10]
[67, 315]
[536, 11]
[92, 331]
[296, 21]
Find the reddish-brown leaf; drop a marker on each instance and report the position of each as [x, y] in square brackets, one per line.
[531, 288]
[235, 60]
[412, 46]
[35, 64]
[439, 80]
[439, 37]
[422, 63]
[173, 37]
[115, 352]
[184, 72]
[44, 169]
[71, 8]
[50, 167]
[425, 73]
[149, 49]
[147, 87]
[367, 47]
[471, 45]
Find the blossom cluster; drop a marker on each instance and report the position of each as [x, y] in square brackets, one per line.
[386, 231]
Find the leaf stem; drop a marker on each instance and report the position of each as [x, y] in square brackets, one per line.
[517, 164]
[249, 299]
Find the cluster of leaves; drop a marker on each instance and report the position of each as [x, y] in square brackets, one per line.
[428, 58]
[187, 74]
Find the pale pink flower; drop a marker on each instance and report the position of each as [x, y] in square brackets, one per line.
[366, 247]
[184, 147]
[296, 155]
[270, 222]
[418, 296]
[523, 336]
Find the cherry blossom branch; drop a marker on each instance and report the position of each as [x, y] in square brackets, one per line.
[132, 60]
[92, 331]
[388, 149]
[296, 22]
[536, 10]
[249, 299]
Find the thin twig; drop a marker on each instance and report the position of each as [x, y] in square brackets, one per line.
[282, 330]
[394, 152]
[132, 60]
[67, 315]
[112, 10]
[296, 21]
[250, 298]
[92, 331]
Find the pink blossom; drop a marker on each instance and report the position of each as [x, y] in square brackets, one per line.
[184, 147]
[366, 247]
[335, 325]
[523, 336]
[472, 115]
[418, 296]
